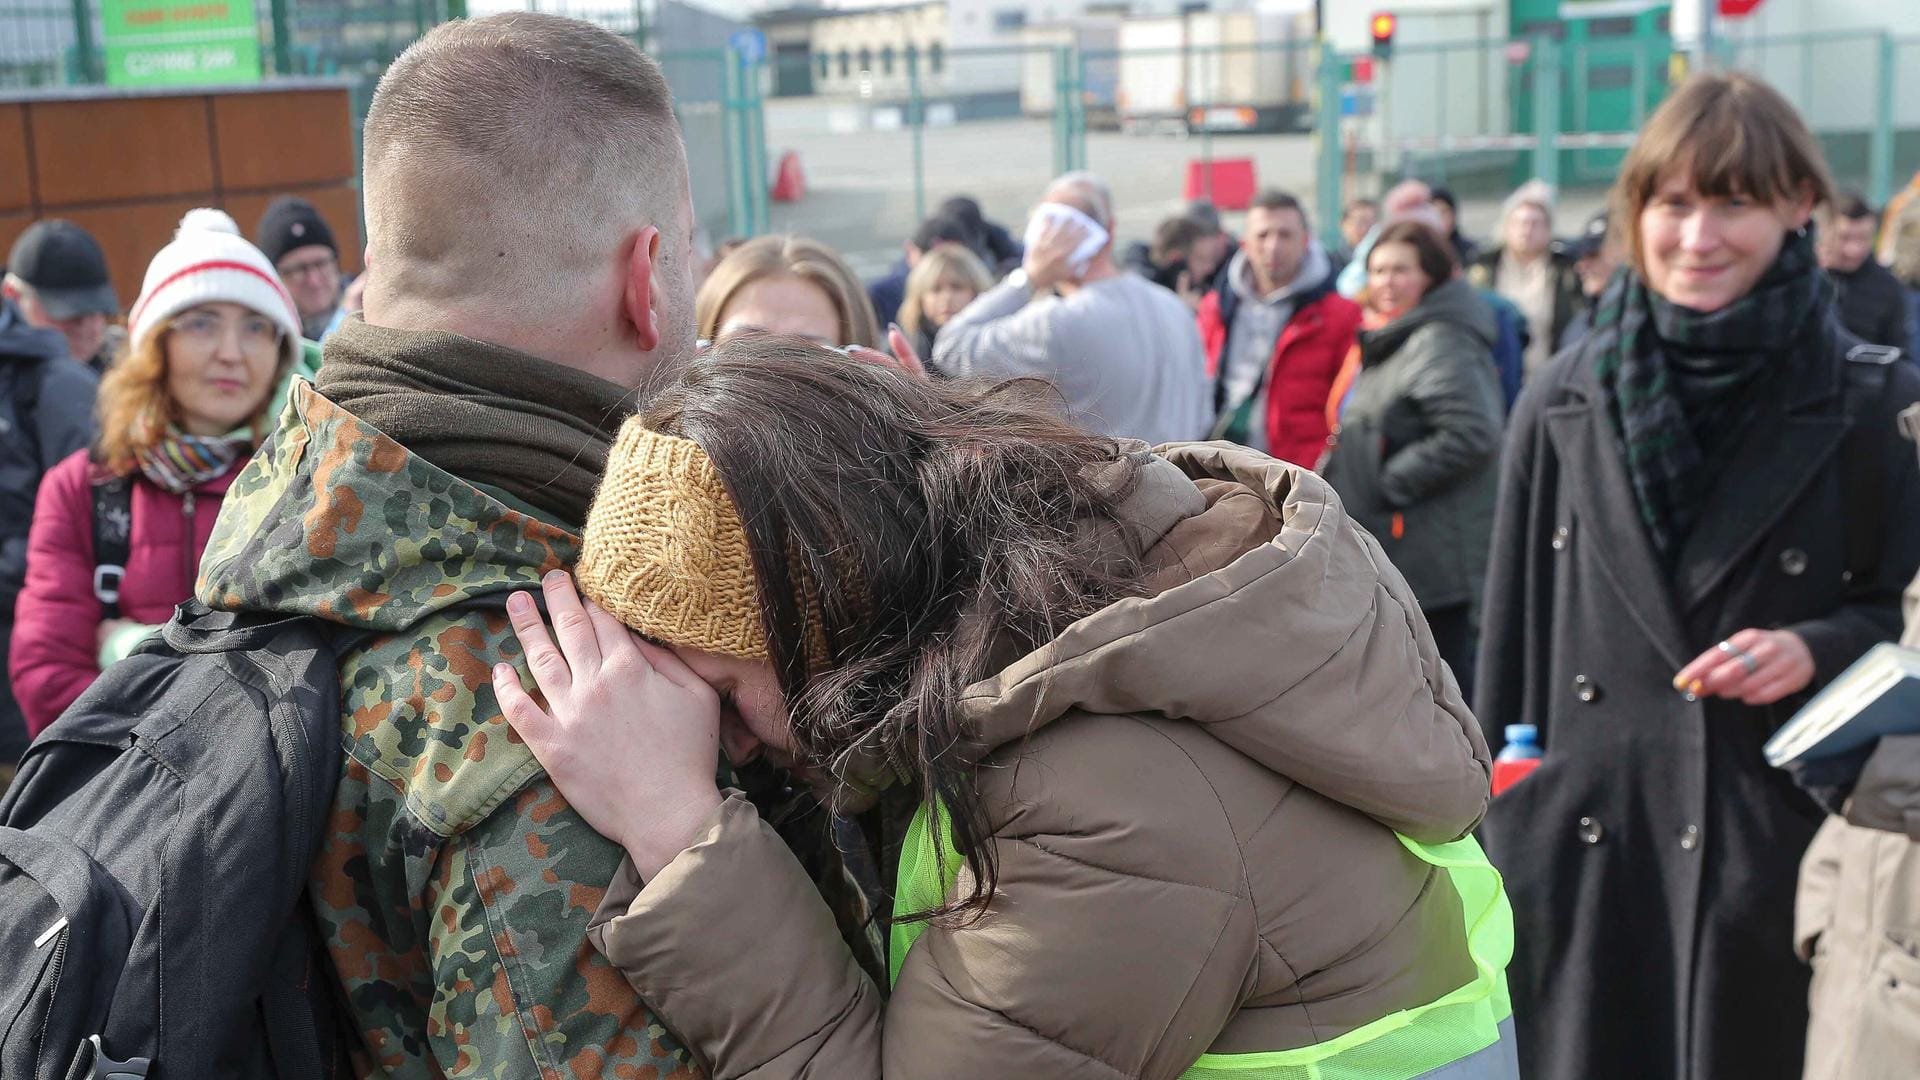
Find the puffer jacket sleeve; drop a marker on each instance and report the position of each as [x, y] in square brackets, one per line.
[1456, 390]
[979, 999]
[53, 654]
[733, 949]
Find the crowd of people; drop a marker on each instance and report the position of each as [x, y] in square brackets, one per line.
[1050, 658]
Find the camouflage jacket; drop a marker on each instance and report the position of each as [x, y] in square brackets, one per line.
[455, 884]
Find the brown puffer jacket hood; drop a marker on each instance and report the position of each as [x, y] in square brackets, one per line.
[1278, 645]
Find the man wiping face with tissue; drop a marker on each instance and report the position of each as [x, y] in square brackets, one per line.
[1124, 352]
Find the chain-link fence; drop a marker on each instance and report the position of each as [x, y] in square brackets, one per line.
[59, 44]
[856, 133]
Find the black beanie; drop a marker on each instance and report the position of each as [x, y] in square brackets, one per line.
[292, 222]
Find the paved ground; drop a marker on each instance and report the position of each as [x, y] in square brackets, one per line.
[860, 185]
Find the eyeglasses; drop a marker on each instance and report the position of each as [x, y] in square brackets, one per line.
[311, 266]
[204, 328]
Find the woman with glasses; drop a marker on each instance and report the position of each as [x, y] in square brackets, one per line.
[118, 529]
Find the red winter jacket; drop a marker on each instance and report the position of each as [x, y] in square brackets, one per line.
[1300, 376]
[56, 651]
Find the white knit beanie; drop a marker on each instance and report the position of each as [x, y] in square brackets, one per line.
[210, 262]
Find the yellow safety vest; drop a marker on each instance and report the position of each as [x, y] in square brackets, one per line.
[1399, 1046]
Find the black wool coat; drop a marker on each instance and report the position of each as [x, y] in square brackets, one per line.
[1652, 857]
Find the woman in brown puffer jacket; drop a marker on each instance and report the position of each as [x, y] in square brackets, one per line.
[1176, 778]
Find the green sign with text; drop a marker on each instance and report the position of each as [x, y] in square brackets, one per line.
[180, 42]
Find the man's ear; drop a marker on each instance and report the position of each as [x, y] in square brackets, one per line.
[641, 298]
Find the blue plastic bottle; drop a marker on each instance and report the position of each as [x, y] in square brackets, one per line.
[1519, 757]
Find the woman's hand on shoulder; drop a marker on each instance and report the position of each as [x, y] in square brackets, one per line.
[629, 734]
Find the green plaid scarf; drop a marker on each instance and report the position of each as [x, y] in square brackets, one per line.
[1682, 385]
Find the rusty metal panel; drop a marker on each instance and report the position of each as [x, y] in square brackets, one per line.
[285, 139]
[120, 148]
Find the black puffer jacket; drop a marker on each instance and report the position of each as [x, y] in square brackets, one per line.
[1415, 454]
[46, 413]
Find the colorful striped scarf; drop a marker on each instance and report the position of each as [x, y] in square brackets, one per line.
[181, 462]
[1682, 385]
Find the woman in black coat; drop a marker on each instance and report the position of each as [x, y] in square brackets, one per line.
[1705, 513]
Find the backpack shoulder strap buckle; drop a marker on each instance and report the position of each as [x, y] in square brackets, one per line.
[106, 583]
[105, 1068]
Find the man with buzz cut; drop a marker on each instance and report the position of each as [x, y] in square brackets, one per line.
[529, 224]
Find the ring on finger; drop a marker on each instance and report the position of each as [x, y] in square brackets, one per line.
[1747, 661]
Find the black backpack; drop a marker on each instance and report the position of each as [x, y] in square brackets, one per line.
[154, 851]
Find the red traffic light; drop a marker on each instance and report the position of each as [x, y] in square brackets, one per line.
[1383, 25]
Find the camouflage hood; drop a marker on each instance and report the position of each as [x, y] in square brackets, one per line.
[333, 518]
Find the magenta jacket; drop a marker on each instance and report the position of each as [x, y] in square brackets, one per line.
[55, 652]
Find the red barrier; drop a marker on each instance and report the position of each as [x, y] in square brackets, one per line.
[1227, 182]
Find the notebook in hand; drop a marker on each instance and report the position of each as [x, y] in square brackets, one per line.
[1878, 695]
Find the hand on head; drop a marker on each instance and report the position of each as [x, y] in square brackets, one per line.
[628, 733]
[1049, 262]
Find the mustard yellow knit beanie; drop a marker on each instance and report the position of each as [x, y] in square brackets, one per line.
[665, 551]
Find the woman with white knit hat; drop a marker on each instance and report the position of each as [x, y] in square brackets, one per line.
[118, 529]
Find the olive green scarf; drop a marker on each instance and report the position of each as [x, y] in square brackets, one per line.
[490, 415]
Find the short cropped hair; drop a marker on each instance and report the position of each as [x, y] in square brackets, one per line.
[1851, 206]
[1730, 134]
[1174, 237]
[1092, 192]
[522, 132]
[1272, 200]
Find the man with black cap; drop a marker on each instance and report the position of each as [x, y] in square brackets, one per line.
[57, 279]
[1594, 261]
[297, 239]
[46, 413]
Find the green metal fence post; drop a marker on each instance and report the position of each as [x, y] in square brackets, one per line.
[1546, 110]
[1062, 114]
[86, 58]
[1326, 128]
[755, 123]
[739, 169]
[1640, 75]
[1077, 144]
[282, 40]
[1209, 92]
[1880, 143]
[1440, 153]
[917, 123]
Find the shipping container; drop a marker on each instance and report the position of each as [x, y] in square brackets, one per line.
[1238, 71]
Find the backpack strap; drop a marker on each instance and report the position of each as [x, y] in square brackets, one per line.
[1863, 469]
[112, 538]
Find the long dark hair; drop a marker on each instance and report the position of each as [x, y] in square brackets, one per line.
[909, 538]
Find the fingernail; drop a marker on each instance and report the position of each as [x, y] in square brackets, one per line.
[504, 673]
[555, 577]
[519, 603]
[1679, 682]
[894, 328]
[1694, 688]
